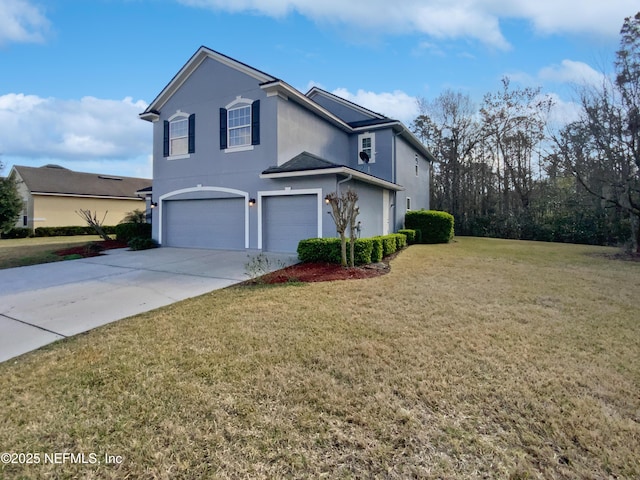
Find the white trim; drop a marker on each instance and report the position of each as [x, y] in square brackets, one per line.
[337, 170]
[278, 193]
[178, 157]
[239, 100]
[191, 66]
[240, 148]
[371, 136]
[179, 113]
[353, 106]
[109, 197]
[200, 188]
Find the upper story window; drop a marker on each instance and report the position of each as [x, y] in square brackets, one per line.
[366, 145]
[179, 135]
[240, 125]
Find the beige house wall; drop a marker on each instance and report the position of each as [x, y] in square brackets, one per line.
[60, 211]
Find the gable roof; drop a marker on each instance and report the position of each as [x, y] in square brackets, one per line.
[307, 164]
[315, 92]
[274, 86]
[56, 180]
[151, 112]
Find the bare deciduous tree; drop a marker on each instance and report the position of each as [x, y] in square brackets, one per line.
[344, 211]
[92, 220]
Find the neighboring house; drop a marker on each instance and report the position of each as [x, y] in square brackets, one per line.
[52, 195]
[242, 160]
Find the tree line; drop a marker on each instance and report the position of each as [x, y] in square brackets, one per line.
[504, 170]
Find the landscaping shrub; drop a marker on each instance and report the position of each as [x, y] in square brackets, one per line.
[319, 250]
[125, 232]
[410, 234]
[376, 251]
[434, 226]
[366, 250]
[401, 240]
[70, 231]
[142, 243]
[388, 245]
[361, 251]
[17, 232]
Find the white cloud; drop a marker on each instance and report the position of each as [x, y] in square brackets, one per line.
[21, 21]
[570, 71]
[477, 19]
[397, 104]
[74, 130]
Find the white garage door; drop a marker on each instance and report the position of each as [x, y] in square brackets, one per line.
[207, 223]
[286, 220]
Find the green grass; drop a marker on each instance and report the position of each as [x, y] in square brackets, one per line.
[476, 359]
[32, 251]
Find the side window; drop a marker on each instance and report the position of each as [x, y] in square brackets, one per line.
[366, 148]
[179, 135]
[408, 203]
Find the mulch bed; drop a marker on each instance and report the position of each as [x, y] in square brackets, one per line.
[92, 249]
[323, 272]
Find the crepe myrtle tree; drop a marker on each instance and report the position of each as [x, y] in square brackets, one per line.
[344, 212]
[92, 220]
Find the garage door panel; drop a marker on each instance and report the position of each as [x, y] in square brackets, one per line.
[204, 223]
[287, 219]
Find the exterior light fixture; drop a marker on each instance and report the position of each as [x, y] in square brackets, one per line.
[326, 200]
[252, 202]
[154, 204]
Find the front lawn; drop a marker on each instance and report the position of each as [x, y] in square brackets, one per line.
[21, 252]
[481, 358]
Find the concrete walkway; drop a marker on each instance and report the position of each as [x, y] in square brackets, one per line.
[44, 303]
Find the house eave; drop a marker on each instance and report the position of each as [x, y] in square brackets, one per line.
[282, 89]
[185, 72]
[366, 178]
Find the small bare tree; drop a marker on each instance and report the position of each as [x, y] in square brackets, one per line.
[344, 212]
[92, 220]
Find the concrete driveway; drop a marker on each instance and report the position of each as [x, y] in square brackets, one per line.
[44, 303]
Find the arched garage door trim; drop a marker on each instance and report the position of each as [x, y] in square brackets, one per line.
[232, 191]
[273, 193]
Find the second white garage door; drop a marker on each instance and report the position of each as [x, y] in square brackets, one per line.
[286, 220]
[204, 223]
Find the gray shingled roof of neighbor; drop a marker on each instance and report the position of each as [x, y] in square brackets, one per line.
[53, 179]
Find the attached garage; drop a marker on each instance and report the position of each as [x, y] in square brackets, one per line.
[287, 219]
[204, 223]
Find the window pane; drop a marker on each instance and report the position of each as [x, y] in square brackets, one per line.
[239, 126]
[179, 146]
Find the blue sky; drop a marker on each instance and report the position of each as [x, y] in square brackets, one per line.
[74, 74]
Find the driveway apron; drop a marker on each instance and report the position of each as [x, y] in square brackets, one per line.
[44, 303]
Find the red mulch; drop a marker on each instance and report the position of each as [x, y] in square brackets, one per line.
[92, 249]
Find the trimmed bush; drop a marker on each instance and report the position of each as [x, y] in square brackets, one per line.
[70, 231]
[376, 251]
[410, 234]
[362, 250]
[130, 230]
[319, 250]
[434, 226]
[142, 243]
[18, 232]
[388, 245]
[401, 241]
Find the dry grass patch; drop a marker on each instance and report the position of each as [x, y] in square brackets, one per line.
[32, 251]
[478, 359]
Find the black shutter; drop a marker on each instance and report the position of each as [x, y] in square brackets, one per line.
[192, 133]
[166, 138]
[255, 123]
[223, 128]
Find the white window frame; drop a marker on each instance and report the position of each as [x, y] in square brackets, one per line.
[372, 148]
[237, 104]
[408, 204]
[179, 117]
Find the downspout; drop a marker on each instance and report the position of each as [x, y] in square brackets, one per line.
[341, 182]
[394, 174]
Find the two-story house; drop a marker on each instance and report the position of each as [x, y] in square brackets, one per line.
[242, 160]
